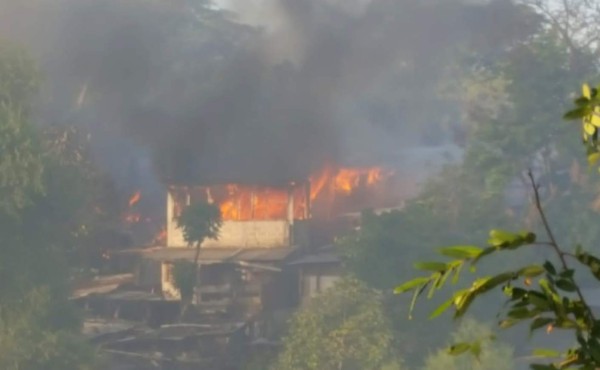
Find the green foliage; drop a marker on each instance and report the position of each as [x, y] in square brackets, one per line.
[544, 295]
[32, 338]
[511, 108]
[478, 339]
[344, 328]
[200, 221]
[38, 226]
[19, 77]
[588, 111]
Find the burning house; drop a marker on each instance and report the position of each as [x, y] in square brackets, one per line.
[246, 271]
[242, 271]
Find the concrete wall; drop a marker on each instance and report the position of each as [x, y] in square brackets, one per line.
[240, 234]
[314, 280]
[167, 284]
[235, 234]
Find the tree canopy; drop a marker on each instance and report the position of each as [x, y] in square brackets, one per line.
[345, 328]
[39, 329]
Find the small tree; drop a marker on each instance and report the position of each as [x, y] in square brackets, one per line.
[344, 328]
[545, 295]
[199, 221]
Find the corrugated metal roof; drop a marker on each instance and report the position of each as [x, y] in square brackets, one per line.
[102, 285]
[326, 254]
[217, 255]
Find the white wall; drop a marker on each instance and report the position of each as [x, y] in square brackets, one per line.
[235, 234]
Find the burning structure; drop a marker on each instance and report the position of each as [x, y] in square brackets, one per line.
[246, 271]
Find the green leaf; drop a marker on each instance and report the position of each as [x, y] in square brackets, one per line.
[476, 350]
[540, 322]
[461, 251]
[457, 274]
[594, 349]
[586, 91]
[565, 324]
[493, 282]
[566, 285]
[528, 237]
[507, 323]
[581, 101]
[459, 348]
[442, 280]
[589, 129]
[593, 158]
[539, 300]
[431, 266]
[517, 293]
[567, 274]
[436, 277]
[549, 290]
[531, 271]
[441, 308]
[550, 268]
[412, 284]
[544, 352]
[576, 113]
[595, 119]
[413, 301]
[592, 262]
[464, 305]
[500, 237]
[520, 313]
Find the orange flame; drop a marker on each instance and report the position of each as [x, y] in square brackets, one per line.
[133, 218]
[161, 237]
[345, 180]
[242, 203]
[135, 198]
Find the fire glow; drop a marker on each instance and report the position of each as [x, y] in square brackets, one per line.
[130, 216]
[135, 198]
[327, 187]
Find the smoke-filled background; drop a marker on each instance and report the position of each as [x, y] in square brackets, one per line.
[270, 91]
[253, 90]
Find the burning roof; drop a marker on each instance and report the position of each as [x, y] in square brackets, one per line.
[327, 191]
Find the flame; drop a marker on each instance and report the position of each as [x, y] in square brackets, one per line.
[346, 180]
[242, 203]
[133, 218]
[135, 198]
[160, 237]
[318, 182]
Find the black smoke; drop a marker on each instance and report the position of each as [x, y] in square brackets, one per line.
[210, 96]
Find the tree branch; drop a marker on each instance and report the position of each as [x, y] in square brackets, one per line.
[553, 243]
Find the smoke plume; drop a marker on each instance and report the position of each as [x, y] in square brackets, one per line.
[254, 91]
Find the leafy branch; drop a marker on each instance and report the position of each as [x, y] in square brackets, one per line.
[554, 301]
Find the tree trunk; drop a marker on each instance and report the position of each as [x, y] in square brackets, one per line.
[196, 269]
[186, 304]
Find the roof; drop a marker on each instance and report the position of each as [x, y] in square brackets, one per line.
[323, 255]
[218, 255]
[132, 295]
[97, 327]
[102, 285]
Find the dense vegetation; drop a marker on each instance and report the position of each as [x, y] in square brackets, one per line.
[44, 212]
[500, 96]
[511, 109]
